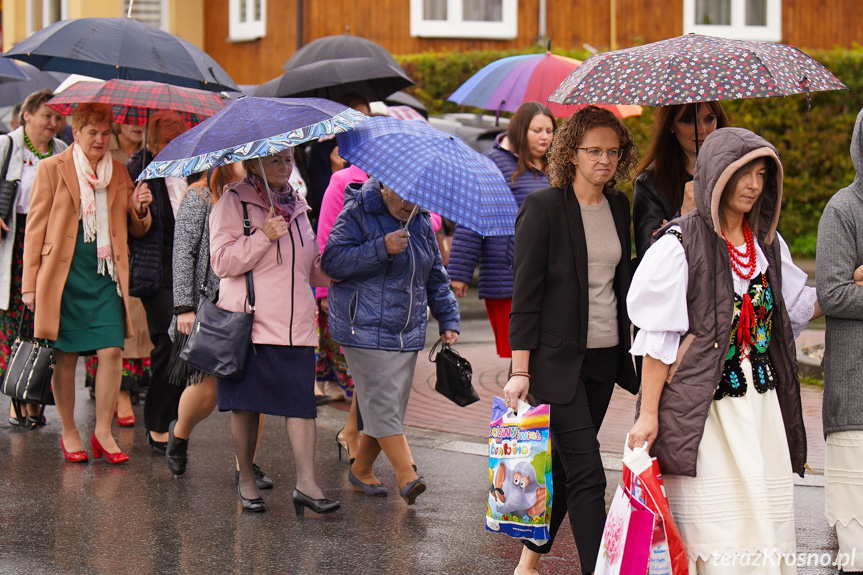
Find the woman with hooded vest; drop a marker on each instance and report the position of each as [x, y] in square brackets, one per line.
[719, 302]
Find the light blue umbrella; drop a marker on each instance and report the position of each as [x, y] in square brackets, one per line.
[433, 170]
[250, 128]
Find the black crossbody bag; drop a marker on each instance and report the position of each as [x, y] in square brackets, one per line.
[220, 340]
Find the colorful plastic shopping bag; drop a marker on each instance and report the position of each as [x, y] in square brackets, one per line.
[519, 472]
[642, 477]
[625, 547]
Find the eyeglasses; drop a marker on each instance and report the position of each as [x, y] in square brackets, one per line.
[594, 154]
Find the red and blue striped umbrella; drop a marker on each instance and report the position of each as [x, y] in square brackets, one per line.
[133, 101]
[506, 84]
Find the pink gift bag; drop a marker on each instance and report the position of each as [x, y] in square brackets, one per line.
[625, 547]
[642, 477]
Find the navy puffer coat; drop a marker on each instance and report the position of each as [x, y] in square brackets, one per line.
[380, 301]
[493, 252]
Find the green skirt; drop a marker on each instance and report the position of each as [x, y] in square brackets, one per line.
[91, 310]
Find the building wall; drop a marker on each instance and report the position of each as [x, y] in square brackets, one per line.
[256, 61]
[186, 18]
[570, 23]
[822, 23]
[97, 8]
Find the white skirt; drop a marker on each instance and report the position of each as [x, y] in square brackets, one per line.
[736, 516]
[843, 505]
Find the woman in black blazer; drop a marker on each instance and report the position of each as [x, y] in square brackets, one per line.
[569, 330]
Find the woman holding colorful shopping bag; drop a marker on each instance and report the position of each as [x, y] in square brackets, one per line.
[569, 331]
[719, 302]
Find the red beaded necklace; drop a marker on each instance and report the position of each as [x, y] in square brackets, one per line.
[746, 260]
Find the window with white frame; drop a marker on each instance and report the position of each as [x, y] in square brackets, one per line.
[43, 13]
[246, 19]
[735, 19]
[490, 19]
[153, 12]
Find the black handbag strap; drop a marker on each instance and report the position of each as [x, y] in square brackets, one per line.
[444, 347]
[247, 231]
[434, 347]
[6, 161]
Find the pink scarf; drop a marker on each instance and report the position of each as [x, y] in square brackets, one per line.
[283, 198]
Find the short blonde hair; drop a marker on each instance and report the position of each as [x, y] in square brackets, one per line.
[91, 114]
[32, 104]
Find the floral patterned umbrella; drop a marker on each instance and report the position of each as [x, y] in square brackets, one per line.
[694, 68]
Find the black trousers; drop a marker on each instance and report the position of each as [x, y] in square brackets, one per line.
[578, 477]
[163, 398]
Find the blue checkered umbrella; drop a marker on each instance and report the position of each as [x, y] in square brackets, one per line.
[434, 170]
[250, 128]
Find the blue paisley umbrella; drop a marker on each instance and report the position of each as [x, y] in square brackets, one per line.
[433, 170]
[250, 128]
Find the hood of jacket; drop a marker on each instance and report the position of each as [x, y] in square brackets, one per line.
[857, 156]
[724, 152]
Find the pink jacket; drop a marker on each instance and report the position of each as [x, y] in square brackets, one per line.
[333, 202]
[285, 306]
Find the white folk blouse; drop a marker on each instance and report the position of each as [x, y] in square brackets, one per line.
[657, 296]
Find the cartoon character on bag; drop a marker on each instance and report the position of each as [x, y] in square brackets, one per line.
[517, 492]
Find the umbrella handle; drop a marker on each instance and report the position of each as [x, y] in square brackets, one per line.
[411, 217]
[266, 183]
[804, 85]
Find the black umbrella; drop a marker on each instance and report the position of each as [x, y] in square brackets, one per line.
[9, 71]
[339, 47]
[15, 91]
[121, 48]
[371, 77]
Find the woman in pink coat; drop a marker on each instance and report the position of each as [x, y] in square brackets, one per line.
[284, 258]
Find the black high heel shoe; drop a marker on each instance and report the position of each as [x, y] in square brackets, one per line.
[301, 501]
[256, 505]
[157, 445]
[343, 444]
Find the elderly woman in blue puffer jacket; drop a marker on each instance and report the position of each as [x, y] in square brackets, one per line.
[519, 154]
[390, 270]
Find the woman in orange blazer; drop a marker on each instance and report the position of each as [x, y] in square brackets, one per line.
[76, 269]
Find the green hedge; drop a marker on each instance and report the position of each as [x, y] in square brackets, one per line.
[815, 153]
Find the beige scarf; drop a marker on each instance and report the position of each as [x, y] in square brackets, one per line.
[94, 208]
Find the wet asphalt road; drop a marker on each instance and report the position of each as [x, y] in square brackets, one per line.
[136, 518]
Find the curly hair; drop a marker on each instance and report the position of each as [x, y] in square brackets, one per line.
[568, 138]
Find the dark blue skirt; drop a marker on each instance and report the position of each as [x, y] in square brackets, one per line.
[279, 380]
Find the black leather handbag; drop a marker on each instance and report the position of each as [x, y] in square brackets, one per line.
[453, 375]
[8, 189]
[28, 376]
[220, 340]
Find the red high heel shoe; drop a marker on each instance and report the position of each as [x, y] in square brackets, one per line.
[125, 421]
[74, 457]
[117, 457]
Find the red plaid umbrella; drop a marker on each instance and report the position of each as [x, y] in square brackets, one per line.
[134, 101]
